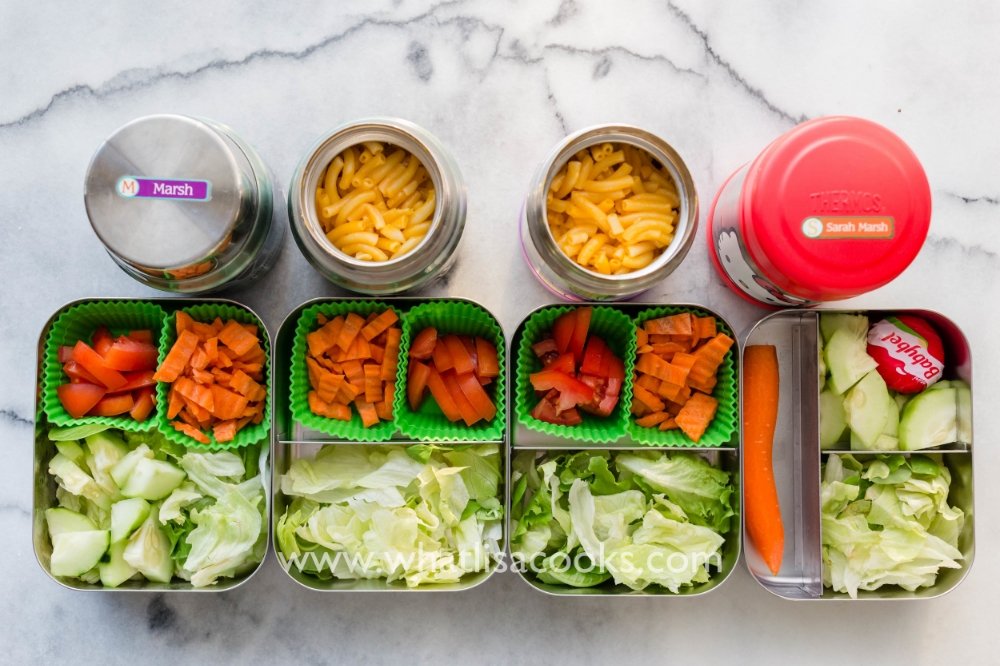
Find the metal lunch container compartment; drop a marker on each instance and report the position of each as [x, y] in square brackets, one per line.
[430, 259]
[566, 278]
[834, 208]
[184, 204]
[44, 484]
[294, 440]
[727, 457]
[797, 457]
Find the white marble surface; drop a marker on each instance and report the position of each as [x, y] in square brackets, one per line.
[499, 83]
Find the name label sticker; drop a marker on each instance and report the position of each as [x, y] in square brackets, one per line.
[160, 188]
[844, 227]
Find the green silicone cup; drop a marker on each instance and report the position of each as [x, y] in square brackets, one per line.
[429, 424]
[352, 430]
[78, 323]
[720, 430]
[206, 314]
[615, 328]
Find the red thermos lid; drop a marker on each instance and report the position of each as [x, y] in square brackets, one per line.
[835, 208]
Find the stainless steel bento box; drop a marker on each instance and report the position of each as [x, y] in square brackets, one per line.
[44, 485]
[797, 457]
[726, 457]
[293, 440]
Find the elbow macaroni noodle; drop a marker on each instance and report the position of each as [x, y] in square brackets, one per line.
[375, 206]
[612, 209]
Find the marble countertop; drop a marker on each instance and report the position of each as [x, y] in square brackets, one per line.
[499, 83]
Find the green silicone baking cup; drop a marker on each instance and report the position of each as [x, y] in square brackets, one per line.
[206, 314]
[78, 323]
[429, 424]
[352, 430]
[615, 328]
[720, 430]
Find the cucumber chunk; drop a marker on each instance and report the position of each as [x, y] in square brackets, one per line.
[855, 325]
[892, 425]
[153, 479]
[930, 419]
[148, 550]
[964, 394]
[883, 443]
[71, 450]
[123, 468]
[76, 553]
[868, 406]
[832, 419]
[848, 361]
[63, 520]
[126, 517]
[117, 571]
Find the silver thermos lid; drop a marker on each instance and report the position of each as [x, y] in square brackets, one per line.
[165, 192]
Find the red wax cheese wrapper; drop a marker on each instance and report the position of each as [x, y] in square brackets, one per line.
[909, 353]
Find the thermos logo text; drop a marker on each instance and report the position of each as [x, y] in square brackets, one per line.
[160, 188]
[845, 201]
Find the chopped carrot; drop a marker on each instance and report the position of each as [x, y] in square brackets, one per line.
[175, 402]
[442, 396]
[377, 353]
[489, 366]
[355, 373]
[352, 326]
[326, 337]
[242, 384]
[191, 431]
[669, 424]
[359, 350]
[228, 404]
[366, 410]
[237, 338]
[669, 391]
[641, 337]
[379, 324]
[654, 419]
[648, 382]
[225, 431]
[194, 392]
[678, 324]
[653, 403]
[459, 354]
[202, 376]
[177, 358]
[183, 321]
[442, 357]
[390, 361]
[373, 383]
[218, 325]
[706, 327]
[480, 401]
[199, 359]
[211, 348]
[384, 410]
[696, 414]
[469, 413]
[416, 382]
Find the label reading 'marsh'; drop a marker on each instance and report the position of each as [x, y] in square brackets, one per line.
[848, 227]
[162, 188]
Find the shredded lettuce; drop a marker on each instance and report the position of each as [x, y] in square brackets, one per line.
[887, 521]
[421, 515]
[659, 521]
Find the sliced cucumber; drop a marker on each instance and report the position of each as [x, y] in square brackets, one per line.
[126, 517]
[117, 571]
[892, 425]
[71, 450]
[63, 520]
[848, 361]
[121, 471]
[153, 479]
[76, 553]
[930, 419]
[868, 406]
[964, 396]
[855, 325]
[901, 400]
[943, 384]
[148, 550]
[832, 419]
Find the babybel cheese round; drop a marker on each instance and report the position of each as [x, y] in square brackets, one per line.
[909, 353]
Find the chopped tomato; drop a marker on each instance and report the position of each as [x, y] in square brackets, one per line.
[65, 353]
[137, 380]
[470, 346]
[128, 355]
[113, 405]
[423, 345]
[562, 330]
[593, 357]
[85, 355]
[546, 350]
[546, 411]
[563, 363]
[102, 340]
[442, 357]
[143, 403]
[465, 408]
[572, 391]
[416, 383]
[477, 396]
[459, 354]
[78, 372]
[442, 396]
[78, 399]
[141, 336]
[579, 338]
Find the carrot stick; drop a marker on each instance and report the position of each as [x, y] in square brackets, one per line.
[760, 414]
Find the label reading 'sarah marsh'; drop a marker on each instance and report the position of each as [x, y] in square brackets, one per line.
[848, 227]
[162, 188]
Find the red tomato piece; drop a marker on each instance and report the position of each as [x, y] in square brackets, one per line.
[85, 355]
[416, 383]
[603, 402]
[579, 338]
[489, 366]
[546, 350]
[141, 336]
[78, 399]
[142, 403]
[137, 380]
[546, 411]
[473, 390]
[112, 405]
[470, 346]
[572, 391]
[442, 396]
[459, 354]
[423, 345]
[469, 413]
[562, 364]
[617, 369]
[128, 355]
[77, 371]
[562, 330]
[442, 357]
[593, 357]
[65, 353]
[102, 340]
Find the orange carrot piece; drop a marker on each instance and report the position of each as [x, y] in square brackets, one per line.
[177, 358]
[678, 324]
[669, 424]
[442, 357]
[760, 415]
[379, 324]
[322, 339]
[696, 415]
[652, 420]
[648, 382]
[373, 383]
[422, 346]
[706, 327]
[254, 355]
[225, 431]
[366, 410]
[641, 337]
[315, 372]
[390, 360]
[228, 404]
[669, 391]
[488, 364]
[359, 350]
[441, 394]
[183, 321]
[217, 324]
[683, 361]
[200, 395]
[703, 386]
[191, 431]
[237, 338]
[480, 401]
[469, 413]
[459, 354]
[648, 399]
[211, 348]
[242, 384]
[383, 410]
[202, 376]
[175, 403]
[321, 318]
[416, 382]
[352, 326]
[651, 364]
[377, 353]
[347, 394]
[355, 374]
[389, 396]
[221, 376]
[320, 407]
[199, 359]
